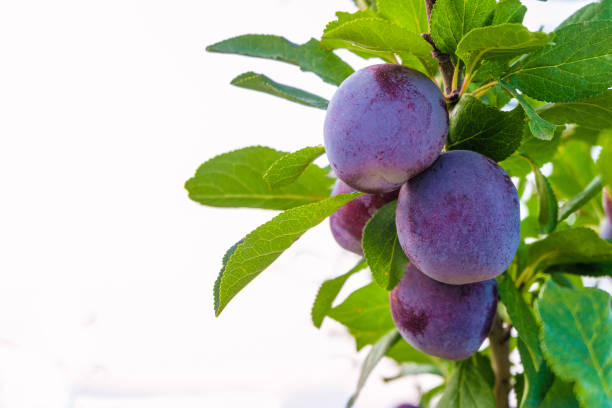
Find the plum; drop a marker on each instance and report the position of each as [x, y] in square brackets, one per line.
[407, 406]
[348, 222]
[459, 221]
[605, 230]
[385, 124]
[447, 321]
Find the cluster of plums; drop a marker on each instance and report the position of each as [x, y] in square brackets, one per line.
[457, 212]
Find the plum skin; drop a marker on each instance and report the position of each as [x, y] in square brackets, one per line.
[347, 223]
[605, 229]
[459, 221]
[446, 321]
[385, 124]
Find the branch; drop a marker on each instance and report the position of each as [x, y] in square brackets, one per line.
[500, 360]
[445, 64]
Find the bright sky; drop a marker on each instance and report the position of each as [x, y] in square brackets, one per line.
[106, 108]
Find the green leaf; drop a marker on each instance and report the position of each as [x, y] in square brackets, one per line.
[498, 42]
[382, 249]
[560, 395]
[403, 352]
[516, 166]
[578, 65]
[235, 179]
[538, 126]
[484, 129]
[380, 35]
[426, 398]
[309, 56]
[604, 161]
[409, 369]
[508, 11]
[467, 388]
[268, 241]
[288, 168]
[597, 11]
[261, 83]
[452, 19]
[409, 14]
[547, 202]
[540, 151]
[569, 248]
[365, 313]
[591, 113]
[581, 199]
[538, 378]
[329, 291]
[377, 352]
[522, 316]
[217, 284]
[577, 340]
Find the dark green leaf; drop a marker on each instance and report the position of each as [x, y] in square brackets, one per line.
[288, 168]
[547, 202]
[540, 151]
[498, 42]
[382, 249]
[581, 199]
[591, 113]
[560, 394]
[522, 316]
[484, 129]
[261, 83]
[538, 378]
[509, 11]
[329, 291]
[578, 65]
[577, 340]
[267, 242]
[235, 179]
[309, 56]
[366, 314]
[452, 19]
[377, 352]
[226, 258]
[540, 128]
[597, 11]
[467, 388]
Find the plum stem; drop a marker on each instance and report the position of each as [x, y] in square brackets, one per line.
[500, 360]
[445, 64]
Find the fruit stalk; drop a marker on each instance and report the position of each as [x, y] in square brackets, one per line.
[445, 64]
[500, 360]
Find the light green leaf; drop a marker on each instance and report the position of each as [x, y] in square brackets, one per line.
[591, 113]
[382, 249]
[538, 126]
[409, 14]
[577, 340]
[508, 11]
[547, 202]
[467, 388]
[578, 65]
[309, 56]
[604, 161]
[570, 247]
[452, 19]
[581, 199]
[235, 179]
[268, 241]
[538, 150]
[521, 315]
[425, 401]
[377, 352]
[261, 83]
[288, 168]
[365, 313]
[427, 65]
[410, 369]
[498, 42]
[403, 352]
[484, 129]
[329, 291]
[596, 11]
[217, 284]
[516, 166]
[379, 35]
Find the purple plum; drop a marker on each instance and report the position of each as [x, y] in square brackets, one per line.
[459, 221]
[385, 124]
[605, 229]
[446, 321]
[348, 222]
[407, 406]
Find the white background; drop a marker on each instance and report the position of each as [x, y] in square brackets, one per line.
[106, 108]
